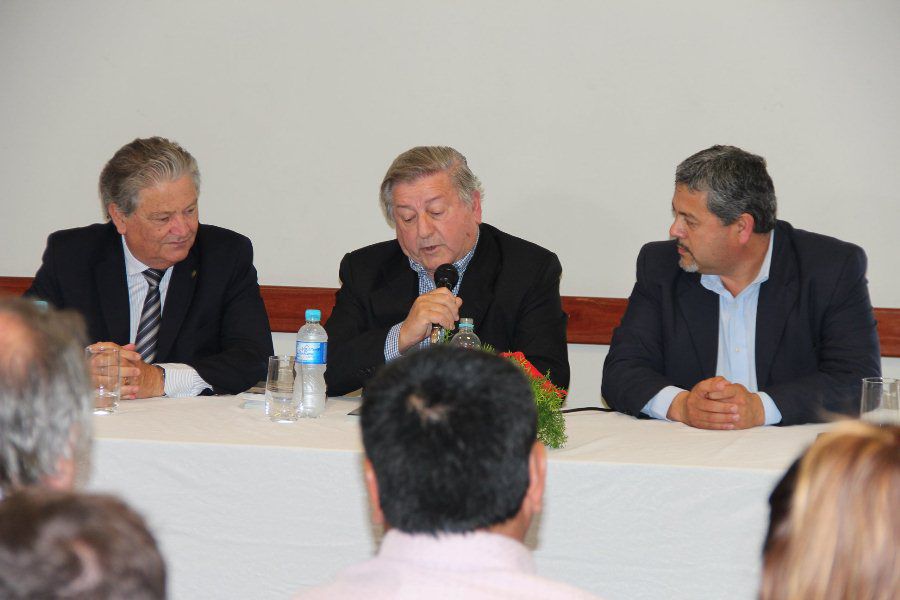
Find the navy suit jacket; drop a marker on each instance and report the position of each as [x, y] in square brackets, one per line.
[510, 289]
[815, 329]
[213, 319]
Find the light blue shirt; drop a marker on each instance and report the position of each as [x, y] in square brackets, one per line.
[426, 284]
[736, 359]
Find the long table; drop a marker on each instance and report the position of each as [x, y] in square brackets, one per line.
[245, 508]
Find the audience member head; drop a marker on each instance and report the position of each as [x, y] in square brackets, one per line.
[839, 536]
[76, 546]
[149, 190]
[45, 396]
[450, 441]
[736, 182]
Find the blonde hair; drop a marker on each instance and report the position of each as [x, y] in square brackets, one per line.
[841, 534]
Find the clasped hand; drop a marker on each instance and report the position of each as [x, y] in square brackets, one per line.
[139, 379]
[438, 307]
[716, 403]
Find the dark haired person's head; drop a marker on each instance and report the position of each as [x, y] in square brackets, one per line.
[450, 440]
[76, 546]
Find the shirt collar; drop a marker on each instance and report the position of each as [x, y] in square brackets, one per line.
[460, 265]
[714, 282]
[132, 265]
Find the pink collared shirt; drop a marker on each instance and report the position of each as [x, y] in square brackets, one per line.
[476, 566]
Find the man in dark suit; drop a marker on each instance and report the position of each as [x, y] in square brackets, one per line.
[388, 302]
[180, 299]
[761, 324]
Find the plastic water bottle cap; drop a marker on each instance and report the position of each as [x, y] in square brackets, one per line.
[467, 322]
[313, 314]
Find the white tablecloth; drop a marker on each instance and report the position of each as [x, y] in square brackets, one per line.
[245, 508]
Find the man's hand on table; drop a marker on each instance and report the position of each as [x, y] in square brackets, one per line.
[716, 403]
[139, 379]
[439, 307]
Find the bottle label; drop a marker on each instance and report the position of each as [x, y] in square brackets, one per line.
[311, 353]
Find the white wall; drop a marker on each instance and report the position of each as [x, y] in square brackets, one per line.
[574, 114]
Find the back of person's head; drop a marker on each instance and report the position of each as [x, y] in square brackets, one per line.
[839, 536]
[78, 547]
[449, 434]
[45, 398]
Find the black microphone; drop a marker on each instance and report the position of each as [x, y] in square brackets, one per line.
[445, 276]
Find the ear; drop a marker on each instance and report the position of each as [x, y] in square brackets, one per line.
[372, 489]
[537, 478]
[745, 224]
[118, 218]
[476, 205]
[63, 477]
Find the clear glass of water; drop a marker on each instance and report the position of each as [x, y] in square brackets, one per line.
[103, 364]
[880, 403]
[281, 406]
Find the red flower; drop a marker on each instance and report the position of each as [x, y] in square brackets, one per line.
[533, 373]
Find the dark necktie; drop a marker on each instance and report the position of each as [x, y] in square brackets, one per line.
[151, 315]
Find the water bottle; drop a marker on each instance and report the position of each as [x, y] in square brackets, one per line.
[466, 337]
[312, 352]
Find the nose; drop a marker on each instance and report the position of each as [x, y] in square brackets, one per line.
[424, 227]
[178, 226]
[675, 230]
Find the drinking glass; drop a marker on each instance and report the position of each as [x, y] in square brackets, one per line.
[280, 404]
[103, 364]
[880, 401]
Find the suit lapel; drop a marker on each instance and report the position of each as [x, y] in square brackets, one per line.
[178, 300]
[777, 297]
[700, 308]
[398, 289]
[112, 288]
[477, 288]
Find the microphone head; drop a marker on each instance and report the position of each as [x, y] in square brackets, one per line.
[446, 276]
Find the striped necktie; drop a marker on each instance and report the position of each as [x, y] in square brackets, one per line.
[151, 316]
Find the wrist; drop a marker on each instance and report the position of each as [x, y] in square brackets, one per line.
[676, 409]
[162, 380]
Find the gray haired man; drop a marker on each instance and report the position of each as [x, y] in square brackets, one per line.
[45, 398]
[740, 320]
[389, 298]
[179, 298]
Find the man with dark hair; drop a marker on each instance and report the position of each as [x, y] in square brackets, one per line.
[389, 299]
[45, 398]
[454, 471]
[76, 546]
[179, 298]
[741, 320]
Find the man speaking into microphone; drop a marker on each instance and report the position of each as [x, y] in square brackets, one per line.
[389, 303]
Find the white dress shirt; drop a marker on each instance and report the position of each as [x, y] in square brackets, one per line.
[181, 379]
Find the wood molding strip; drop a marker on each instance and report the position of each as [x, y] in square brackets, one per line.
[591, 320]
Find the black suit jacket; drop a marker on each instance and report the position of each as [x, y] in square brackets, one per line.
[510, 289]
[815, 329]
[213, 319]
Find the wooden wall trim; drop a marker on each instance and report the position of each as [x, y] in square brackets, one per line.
[591, 320]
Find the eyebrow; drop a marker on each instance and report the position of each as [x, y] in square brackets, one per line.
[160, 213]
